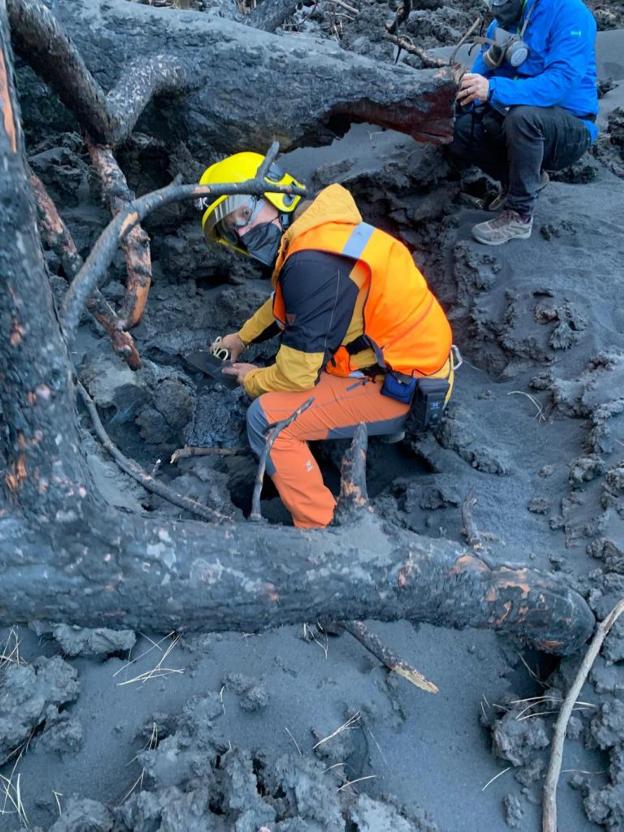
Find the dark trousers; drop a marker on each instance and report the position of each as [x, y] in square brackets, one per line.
[516, 147]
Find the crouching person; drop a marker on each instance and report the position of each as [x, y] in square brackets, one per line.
[361, 333]
[530, 105]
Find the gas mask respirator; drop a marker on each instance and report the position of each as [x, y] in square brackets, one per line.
[505, 46]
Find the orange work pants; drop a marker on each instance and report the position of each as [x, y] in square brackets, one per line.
[339, 405]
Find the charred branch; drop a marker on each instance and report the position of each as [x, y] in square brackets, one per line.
[402, 13]
[189, 451]
[374, 645]
[549, 801]
[58, 238]
[353, 490]
[39, 441]
[135, 212]
[427, 60]
[43, 42]
[136, 245]
[469, 527]
[141, 573]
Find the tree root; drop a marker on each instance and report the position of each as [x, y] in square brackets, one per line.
[402, 13]
[115, 232]
[148, 482]
[354, 499]
[470, 530]
[136, 245]
[42, 42]
[353, 491]
[549, 807]
[59, 239]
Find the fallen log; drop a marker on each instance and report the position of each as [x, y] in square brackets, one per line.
[146, 574]
[244, 87]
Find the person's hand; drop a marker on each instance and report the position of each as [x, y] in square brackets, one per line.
[473, 87]
[230, 342]
[238, 370]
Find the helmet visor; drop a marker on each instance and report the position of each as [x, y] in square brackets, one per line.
[231, 215]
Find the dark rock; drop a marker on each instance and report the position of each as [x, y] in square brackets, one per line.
[253, 695]
[606, 806]
[371, 815]
[462, 433]
[64, 735]
[539, 505]
[83, 815]
[514, 810]
[584, 469]
[608, 678]
[75, 641]
[518, 740]
[607, 727]
[29, 695]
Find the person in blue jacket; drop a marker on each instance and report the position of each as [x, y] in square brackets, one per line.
[528, 106]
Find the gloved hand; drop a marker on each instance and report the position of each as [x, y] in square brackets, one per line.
[229, 342]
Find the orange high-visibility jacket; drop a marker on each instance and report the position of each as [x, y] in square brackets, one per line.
[403, 322]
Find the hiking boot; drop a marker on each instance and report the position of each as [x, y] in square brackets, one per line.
[501, 198]
[508, 225]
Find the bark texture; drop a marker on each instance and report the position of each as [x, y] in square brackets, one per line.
[228, 72]
[146, 574]
[41, 39]
[44, 472]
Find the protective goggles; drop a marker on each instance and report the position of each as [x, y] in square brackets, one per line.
[234, 213]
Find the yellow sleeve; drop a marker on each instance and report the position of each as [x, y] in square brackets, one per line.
[261, 319]
[293, 371]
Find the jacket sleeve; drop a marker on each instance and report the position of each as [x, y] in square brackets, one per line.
[566, 62]
[261, 320]
[319, 299]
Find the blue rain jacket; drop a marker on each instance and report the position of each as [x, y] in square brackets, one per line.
[561, 66]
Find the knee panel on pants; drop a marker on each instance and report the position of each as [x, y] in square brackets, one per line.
[257, 425]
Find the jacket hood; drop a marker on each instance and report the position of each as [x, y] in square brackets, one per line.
[332, 204]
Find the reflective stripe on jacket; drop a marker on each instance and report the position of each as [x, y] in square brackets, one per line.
[403, 322]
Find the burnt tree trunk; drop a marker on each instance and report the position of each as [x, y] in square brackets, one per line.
[243, 87]
[65, 555]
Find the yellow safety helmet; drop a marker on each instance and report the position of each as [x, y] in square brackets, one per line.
[239, 168]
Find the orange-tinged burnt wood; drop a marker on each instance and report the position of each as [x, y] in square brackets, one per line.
[136, 244]
[57, 237]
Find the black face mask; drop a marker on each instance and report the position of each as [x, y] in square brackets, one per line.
[262, 242]
[508, 12]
